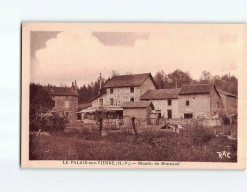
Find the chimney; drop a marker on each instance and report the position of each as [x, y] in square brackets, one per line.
[76, 85]
[73, 86]
[99, 82]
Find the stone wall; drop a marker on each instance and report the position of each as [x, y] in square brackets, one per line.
[206, 122]
[216, 105]
[66, 104]
[232, 105]
[146, 85]
[123, 94]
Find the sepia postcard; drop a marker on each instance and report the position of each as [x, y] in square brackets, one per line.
[134, 95]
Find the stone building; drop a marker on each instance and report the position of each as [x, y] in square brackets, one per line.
[124, 88]
[201, 100]
[229, 101]
[118, 90]
[65, 101]
[165, 102]
[190, 101]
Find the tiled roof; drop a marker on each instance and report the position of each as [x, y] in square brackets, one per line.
[139, 104]
[160, 94]
[227, 93]
[83, 106]
[61, 91]
[195, 89]
[102, 93]
[133, 80]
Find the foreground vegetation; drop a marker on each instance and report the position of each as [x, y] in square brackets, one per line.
[198, 145]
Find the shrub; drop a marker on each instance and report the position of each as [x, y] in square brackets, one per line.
[225, 119]
[50, 124]
[201, 136]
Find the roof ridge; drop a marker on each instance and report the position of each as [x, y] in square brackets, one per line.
[129, 80]
[198, 84]
[129, 74]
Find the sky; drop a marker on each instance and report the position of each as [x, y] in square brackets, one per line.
[60, 57]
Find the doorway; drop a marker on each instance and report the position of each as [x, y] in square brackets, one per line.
[169, 113]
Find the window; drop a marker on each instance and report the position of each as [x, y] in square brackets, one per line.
[111, 101]
[188, 115]
[66, 104]
[218, 104]
[169, 102]
[53, 104]
[132, 90]
[159, 113]
[132, 99]
[111, 90]
[169, 113]
[187, 103]
[101, 102]
[66, 115]
[79, 116]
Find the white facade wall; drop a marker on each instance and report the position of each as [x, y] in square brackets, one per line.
[163, 106]
[199, 105]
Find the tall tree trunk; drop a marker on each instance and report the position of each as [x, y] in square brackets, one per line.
[133, 125]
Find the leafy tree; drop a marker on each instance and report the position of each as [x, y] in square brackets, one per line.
[227, 83]
[91, 90]
[172, 80]
[159, 79]
[177, 79]
[115, 73]
[40, 101]
[205, 77]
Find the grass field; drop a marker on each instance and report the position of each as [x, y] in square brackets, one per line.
[198, 145]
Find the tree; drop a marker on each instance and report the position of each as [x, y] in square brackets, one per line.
[159, 79]
[205, 77]
[91, 90]
[173, 80]
[40, 101]
[115, 73]
[177, 79]
[227, 83]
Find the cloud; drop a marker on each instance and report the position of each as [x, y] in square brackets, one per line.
[82, 56]
[119, 38]
[39, 38]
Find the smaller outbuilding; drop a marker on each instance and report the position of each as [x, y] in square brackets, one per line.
[139, 110]
[165, 102]
[230, 102]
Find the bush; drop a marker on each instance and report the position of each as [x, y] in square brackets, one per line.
[225, 120]
[201, 136]
[50, 124]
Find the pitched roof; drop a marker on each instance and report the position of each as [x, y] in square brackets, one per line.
[83, 106]
[139, 104]
[102, 93]
[160, 94]
[227, 93]
[195, 89]
[133, 80]
[61, 91]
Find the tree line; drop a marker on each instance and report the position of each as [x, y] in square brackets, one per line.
[172, 80]
[178, 78]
